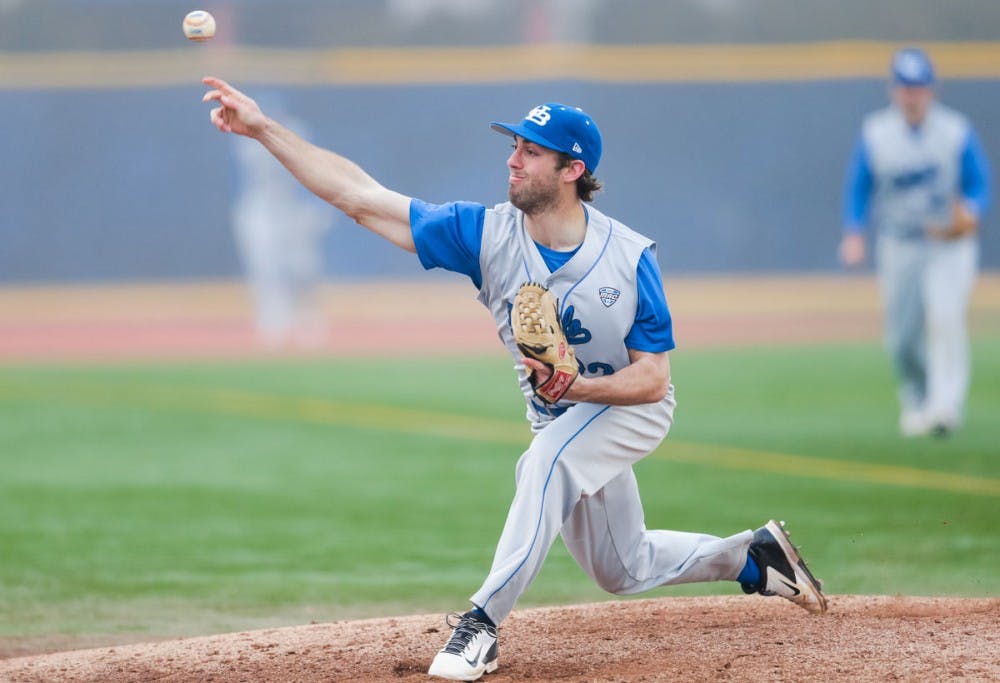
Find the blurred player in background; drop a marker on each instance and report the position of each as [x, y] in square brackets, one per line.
[576, 478]
[919, 177]
[279, 228]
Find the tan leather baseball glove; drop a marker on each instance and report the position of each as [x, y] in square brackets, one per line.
[963, 222]
[539, 335]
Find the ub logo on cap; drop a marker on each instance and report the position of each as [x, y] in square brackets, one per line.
[539, 115]
[559, 127]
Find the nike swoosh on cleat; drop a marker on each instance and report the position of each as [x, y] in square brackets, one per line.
[475, 660]
[792, 586]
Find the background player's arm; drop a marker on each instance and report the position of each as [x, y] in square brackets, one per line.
[857, 194]
[645, 380]
[975, 193]
[328, 175]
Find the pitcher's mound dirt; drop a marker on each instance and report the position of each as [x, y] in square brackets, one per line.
[862, 638]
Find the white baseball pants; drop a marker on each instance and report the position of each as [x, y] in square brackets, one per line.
[576, 478]
[926, 286]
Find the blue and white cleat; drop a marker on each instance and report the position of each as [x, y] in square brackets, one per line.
[470, 652]
[783, 572]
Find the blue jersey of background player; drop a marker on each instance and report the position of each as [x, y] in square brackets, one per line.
[575, 479]
[919, 177]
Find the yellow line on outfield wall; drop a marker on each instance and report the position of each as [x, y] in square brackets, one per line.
[716, 63]
[490, 430]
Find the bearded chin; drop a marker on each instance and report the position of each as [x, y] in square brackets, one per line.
[529, 202]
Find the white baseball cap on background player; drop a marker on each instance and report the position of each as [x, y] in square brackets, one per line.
[561, 128]
[912, 68]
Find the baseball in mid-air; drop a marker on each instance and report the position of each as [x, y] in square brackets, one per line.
[199, 25]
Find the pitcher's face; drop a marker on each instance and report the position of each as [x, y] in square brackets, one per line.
[534, 179]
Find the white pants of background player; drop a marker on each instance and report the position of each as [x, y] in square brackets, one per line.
[280, 239]
[925, 287]
[576, 478]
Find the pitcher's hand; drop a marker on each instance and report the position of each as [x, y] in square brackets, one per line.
[237, 113]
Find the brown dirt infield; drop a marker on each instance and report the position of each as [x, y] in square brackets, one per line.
[862, 638]
[669, 639]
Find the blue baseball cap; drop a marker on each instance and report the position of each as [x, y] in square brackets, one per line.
[559, 127]
[911, 67]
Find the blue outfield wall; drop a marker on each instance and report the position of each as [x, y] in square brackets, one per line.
[109, 185]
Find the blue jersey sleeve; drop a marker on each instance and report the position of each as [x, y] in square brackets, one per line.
[975, 174]
[857, 189]
[449, 236]
[653, 330]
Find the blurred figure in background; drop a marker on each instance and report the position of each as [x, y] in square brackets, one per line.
[279, 228]
[919, 177]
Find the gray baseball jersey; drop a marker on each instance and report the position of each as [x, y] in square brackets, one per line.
[596, 290]
[916, 173]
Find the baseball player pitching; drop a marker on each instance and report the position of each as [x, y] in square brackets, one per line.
[579, 304]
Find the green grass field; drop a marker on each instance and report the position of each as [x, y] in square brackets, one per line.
[184, 499]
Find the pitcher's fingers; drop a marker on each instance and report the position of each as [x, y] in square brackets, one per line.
[216, 83]
[211, 95]
[218, 121]
[533, 365]
[230, 101]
